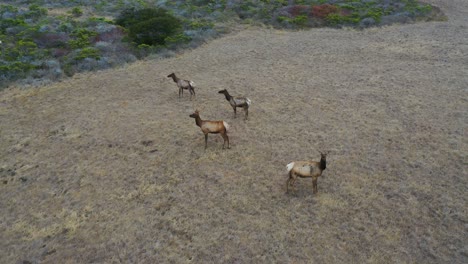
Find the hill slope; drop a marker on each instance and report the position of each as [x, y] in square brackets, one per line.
[109, 167]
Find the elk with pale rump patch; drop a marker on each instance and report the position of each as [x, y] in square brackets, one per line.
[212, 127]
[235, 102]
[306, 169]
[183, 84]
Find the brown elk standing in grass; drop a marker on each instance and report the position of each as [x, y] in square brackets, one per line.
[213, 127]
[183, 84]
[306, 169]
[235, 102]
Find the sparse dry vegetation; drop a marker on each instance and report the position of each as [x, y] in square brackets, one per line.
[108, 167]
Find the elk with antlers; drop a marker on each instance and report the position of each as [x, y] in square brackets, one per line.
[306, 169]
[183, 84]
[213, 127]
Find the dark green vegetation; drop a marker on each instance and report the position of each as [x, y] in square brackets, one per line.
[150, 26]
[40, 45]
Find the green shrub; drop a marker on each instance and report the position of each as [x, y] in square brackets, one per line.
[36, 12]
[8, 8]
[201, 24]
[16, 70]
[76, 12]
[176, 39]
[81, 38]
[417, 9]
[26, 47]
[88, 52]
[282, 19]
[144, 50]
[375, 13]
[10, 23]
[149, 26]
[131, 16]
[300, 20]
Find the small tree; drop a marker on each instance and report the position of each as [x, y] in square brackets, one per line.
[150, 26]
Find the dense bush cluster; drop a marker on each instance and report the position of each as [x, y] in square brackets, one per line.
[39, 47]
[150, 26]
[353, 13]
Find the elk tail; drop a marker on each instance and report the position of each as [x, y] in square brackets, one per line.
[226, 125]
[192, 84]
[290, 166]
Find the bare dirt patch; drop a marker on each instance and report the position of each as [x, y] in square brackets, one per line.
[109, 167]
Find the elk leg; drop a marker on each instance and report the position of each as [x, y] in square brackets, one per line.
[246, 109]
[181, 91]
[235, 111]
[226, 138]
[291, 181]
[206, 141]
[314, 185]
[192, 93]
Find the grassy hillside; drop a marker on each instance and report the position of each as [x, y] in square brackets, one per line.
[45, 41]
[108, 167]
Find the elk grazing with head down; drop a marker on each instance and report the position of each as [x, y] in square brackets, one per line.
[183, 84]
[213, 127]
[235, 102]
[306, 169]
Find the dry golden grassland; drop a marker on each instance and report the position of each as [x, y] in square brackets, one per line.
[108, 167]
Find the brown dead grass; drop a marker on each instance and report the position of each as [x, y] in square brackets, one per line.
[108, 167]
